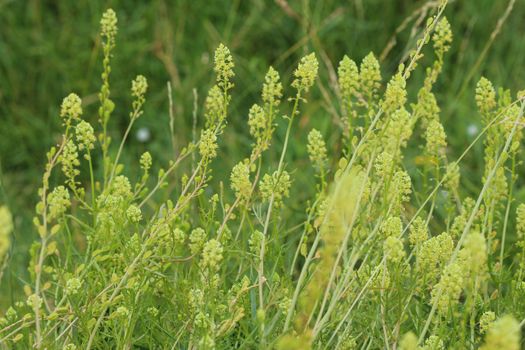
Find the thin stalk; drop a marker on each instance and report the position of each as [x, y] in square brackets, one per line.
[272, 199]
[121, 147]
[473, 215]
[507, 210]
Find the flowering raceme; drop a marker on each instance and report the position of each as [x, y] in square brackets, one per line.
[276, 186]
[240, 180]
[316, 148]
[71, 107]
[306, 73]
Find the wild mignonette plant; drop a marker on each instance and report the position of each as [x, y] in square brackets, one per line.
[383, 258]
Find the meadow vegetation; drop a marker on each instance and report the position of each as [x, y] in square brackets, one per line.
[381, 248]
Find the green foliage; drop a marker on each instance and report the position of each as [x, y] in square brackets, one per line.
[385, 256]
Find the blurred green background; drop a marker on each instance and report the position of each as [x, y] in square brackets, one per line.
[51, 48]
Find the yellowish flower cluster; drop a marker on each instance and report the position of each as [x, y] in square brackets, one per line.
[418, 232]
[134, 214]
[452, 176]
[503, 333]
[197, 240]
[369, 76]
[316, 148]
[255, 242]
[445, 294]
[208, 144]
[384, 165]
[486, 320]
[179, 237]
[401, 190]
[85, 136]
[146, 161]
[434, 253]
[348, 75]
[442, 37]
[71, 108]
[306, 73]
[224, 67]
[272, 88]
[73, 286]
[436, 139]
[408, 342]
[257, 122]
[240, 181]
[393, 249]
[473, 256]
[433, 343]
[212, 255]
[108, 23]
[395, 95]
[139, 86]
[392, 227]
[520, 220]
[485, 96]
[275, 186]
[58, 202]
[214, 106]
[70, 162]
